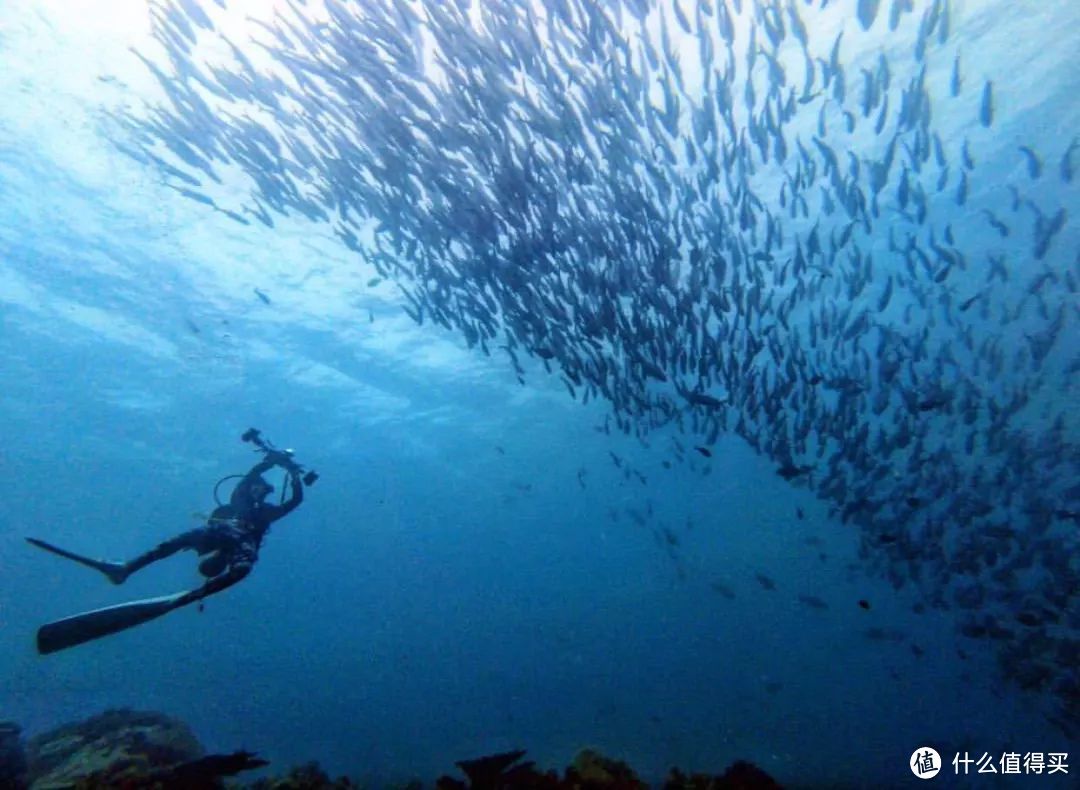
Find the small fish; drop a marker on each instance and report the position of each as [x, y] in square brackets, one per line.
[799, 513]
[995, 223]
[791, 471]
[986, 106]
[864, 604]
[705, 451]
[1033, 162]
[962, 190]
[262, 297]
[196, 196]
[931, 403]
[1045, 230]
[701, 399]
[964, 305]
[765, 581]
[1015, 195]
[234, 216]
[867, 11]
[373, 282]
[1066, 167]
[192, 326]
[813, 602]
[723, 589]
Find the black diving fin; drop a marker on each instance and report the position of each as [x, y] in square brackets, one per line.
[110, 569]
[88, 626]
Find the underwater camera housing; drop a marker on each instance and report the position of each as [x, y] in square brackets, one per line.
[284, 457]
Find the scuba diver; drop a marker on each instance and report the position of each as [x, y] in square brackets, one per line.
[229, 542]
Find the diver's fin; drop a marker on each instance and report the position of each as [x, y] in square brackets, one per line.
[110, 569]
[87, 626]
[87, 561]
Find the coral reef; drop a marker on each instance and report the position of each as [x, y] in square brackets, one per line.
[591, 770]
[12, 755]
[114, 748]
[496, 771]
[740, 776]
[205, 772]
[135, 750]
[304, 777]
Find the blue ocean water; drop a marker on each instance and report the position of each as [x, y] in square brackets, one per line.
[484, 564]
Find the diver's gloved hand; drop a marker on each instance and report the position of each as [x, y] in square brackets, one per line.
[282, 458]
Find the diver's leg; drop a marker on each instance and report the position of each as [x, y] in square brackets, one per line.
[195, 539]
[238, 561]
[225, 551]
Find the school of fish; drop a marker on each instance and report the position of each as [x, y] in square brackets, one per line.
[713, 220]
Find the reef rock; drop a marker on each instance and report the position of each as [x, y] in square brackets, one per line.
[12, 755]
[117, 741]
[304, 777]
[591, 769]
[741, 775]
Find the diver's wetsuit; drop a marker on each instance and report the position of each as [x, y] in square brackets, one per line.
[231, 537]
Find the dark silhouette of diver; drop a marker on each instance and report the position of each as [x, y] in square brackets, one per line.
[234, 532]
[230, 543]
